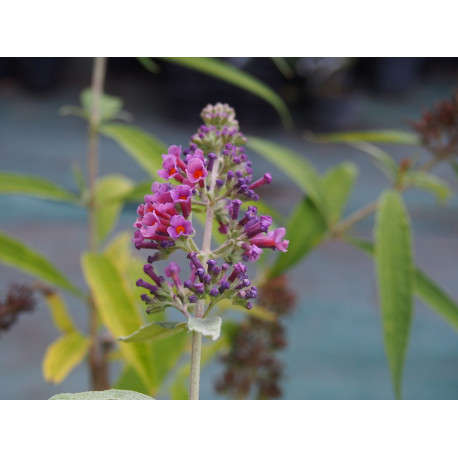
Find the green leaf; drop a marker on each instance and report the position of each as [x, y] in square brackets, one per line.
[110, 192]
[154, 331]
[338, 184]
[107, 395]
[149, 64]
[14, 183]
[210, 327]
[283, 66]
[232, 75]
[376, 136]
[393, 259]
[59, 312]
[138, 192]
[436, 298]
[256, 312]
[304, 230]
[17, 254]
[425, 288]
[109, 106]
[381, 158]
[431, 183]
[295, 166]
[64, 355]
[130, 380]
[118, 311]
[141, 146]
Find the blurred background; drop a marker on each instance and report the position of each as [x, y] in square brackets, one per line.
[335, 348]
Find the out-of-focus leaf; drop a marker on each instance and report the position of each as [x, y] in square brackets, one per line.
[149, 64]
[431, 183]
[107, 395]
[283, 66]
[138, 192]
[110, 192]
[305, 229]
[17, 254]
[63, 355]
[436, 298]
[14, 183]
[232, 75]
[337, 185]
[382, 159]
[118, 312]
[109, 106]
[145, 149]
[376, 136]
[59, 312]
[130, 380]
[154, 331]
[393, 259]
[80, 180]
[210, 327]
[301, 171]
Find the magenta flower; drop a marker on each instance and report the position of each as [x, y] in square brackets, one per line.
[266, 179]
[179, 227]
[173, 271]
[196, 171]
[181, 194]
[170, 168]
[272, 240]
[174, 150]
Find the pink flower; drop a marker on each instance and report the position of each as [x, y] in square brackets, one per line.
[170, 168]
[196, 171]
[272, 240]
[175, 150]
[181, 193]
[179, 227]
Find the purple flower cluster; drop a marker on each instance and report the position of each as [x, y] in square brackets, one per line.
[212, 173]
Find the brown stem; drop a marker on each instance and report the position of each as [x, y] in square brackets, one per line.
[97, 357]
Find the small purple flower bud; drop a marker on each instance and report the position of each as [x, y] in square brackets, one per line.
[153, 258]
[230, 175]
[192, 298]
[193, 258]
[199, 287]
[187, 284]
[249, 306]
[214, 292]
[219, 183]
[235, 207]
[224, 285]
[207, 279]
[145, 298]
[211, 160]
[200, 272]
[211, 263]
[143, 284]
[149, 270]
[224, 267]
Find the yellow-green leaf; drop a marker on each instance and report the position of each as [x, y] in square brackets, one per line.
[59, 312]
[107, 395]
[30, 185]
[376, 136]
[394, 266]
[110, 192]
[118, 312]
[64, 355]
[154, 331]
[145, 149]
[15, 253]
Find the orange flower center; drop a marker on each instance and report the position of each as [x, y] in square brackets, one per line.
[172, 171]
[180, 229]
[183, 198]
[198, 174]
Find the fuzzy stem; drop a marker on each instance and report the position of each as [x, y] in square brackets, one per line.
[200, 306]
[97, 358]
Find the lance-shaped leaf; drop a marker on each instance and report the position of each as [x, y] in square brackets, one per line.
[305, 229]
[110, 192]
[63, 355]
[118, 311]
[425, 288]
[236, 77]
[149, 64]
[337, 185]
[375, 136]
[393, 259]
[141, 146]
[107, 395]
[210, 327]
[296, 167]
[154, 331]
[15, 253]
[14, 183]
[59, 312]
[431, 183]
